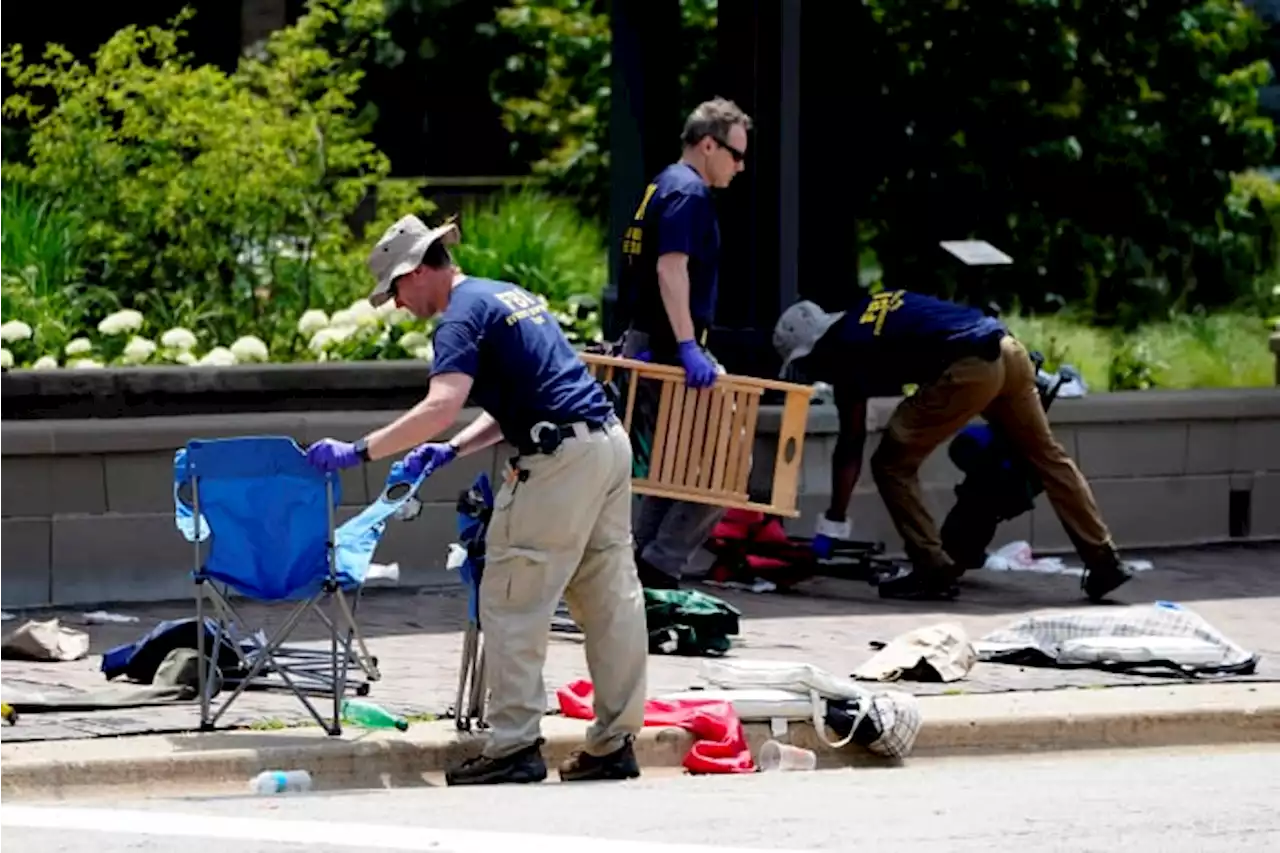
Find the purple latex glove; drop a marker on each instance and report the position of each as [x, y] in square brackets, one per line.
[699, 370]
[329, 454]
[426, 458]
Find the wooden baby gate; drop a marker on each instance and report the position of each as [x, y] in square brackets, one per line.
[699, 442]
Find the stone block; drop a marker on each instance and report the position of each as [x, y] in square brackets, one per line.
[116, 557]
[139, 482]
[1211, 447]
[1147, 511]
[1132, 450]
[1257, 445]
[41, 486]
[421, 546]
[25, 557]
[1047, 535]
[1265, 520]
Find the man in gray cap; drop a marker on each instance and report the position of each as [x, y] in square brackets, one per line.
[964, 363]
[561, 523]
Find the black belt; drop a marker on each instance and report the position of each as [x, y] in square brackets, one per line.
[546, 437]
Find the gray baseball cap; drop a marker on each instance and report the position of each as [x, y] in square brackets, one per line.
[799, 329]
[401, 250]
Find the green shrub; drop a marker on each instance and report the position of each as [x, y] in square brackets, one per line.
[543, 244]
[203, 199]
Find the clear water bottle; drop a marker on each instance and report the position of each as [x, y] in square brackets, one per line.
[280, 781]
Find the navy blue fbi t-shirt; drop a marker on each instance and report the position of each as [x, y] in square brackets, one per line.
[677, 214]
[524, 368]
[896, 338]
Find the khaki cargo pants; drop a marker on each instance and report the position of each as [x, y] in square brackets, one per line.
[564, 532]
[1004, 391]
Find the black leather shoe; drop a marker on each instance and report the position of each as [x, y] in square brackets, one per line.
[582, 766]
[920, 585]
[1101, 580]
[520, 767]
[652, 577]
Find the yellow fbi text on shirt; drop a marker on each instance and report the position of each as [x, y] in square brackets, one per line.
[633, 237]
[882, 304]
[523, 306]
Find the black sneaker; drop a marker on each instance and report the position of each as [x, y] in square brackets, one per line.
[920, 585]
[1103, 579]
[652, 577]
[582, 766]
[519, 767]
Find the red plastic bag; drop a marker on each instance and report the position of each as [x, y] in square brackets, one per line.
[720, 744]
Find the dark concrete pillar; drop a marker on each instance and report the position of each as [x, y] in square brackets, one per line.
[832, 178]
[759, 213]
[644, 121]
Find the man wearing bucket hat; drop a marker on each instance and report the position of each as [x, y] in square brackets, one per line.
[561, 523]
[965, 364]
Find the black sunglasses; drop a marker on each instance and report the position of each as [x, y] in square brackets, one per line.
[737, 155]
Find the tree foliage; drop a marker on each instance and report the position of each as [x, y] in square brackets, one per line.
[207, 197]
[554, 89]
[1100, 144]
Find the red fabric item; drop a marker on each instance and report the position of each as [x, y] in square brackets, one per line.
[720, 744]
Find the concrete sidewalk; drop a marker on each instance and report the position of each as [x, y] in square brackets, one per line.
[223, 763]
[417, 638]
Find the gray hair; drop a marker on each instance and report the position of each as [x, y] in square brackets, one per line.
[713, 118]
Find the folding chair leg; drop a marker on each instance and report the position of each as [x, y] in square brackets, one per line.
[475, 707]
[469, 702]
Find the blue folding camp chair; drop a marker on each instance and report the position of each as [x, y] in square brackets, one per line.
[267, 519]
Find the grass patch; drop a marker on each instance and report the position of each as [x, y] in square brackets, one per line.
[1223, 350]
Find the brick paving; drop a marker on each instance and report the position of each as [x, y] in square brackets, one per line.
[417, 636]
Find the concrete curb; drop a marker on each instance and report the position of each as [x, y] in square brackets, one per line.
[972, 725]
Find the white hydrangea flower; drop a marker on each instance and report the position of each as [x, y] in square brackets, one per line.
[324, 339]
[250, 348]
[185, 357]
[342, 318]
[84, 363]
[217, 357]
[78, 346]
[45, 362]
[138, 350]
[312, 321]
[412, 340]
[384, 310]
[426, 353]
[15, 330]
[179, 339]
[6, 358]
[400, 317]
[121, 322]
[364, 314]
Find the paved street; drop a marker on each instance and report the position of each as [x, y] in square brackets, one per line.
[1167, 801]
[417, 638]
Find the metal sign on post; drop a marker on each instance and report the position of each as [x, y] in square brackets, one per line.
[976, 253]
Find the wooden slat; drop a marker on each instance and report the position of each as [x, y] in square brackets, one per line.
[734, 449]
[718, 403]
[671, 426]
[703, 439]
[747, 447]
[681, 473]
[659, 433]
[696, 438]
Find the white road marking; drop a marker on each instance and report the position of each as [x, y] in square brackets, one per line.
[367, 836]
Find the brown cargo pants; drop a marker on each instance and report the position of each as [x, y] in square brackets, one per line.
[1004, 391]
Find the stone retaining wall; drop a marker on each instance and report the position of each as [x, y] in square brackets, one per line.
[87, 511]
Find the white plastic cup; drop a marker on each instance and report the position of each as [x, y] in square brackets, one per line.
[785, 757]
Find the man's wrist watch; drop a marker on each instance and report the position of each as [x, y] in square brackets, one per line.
[362, 449]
